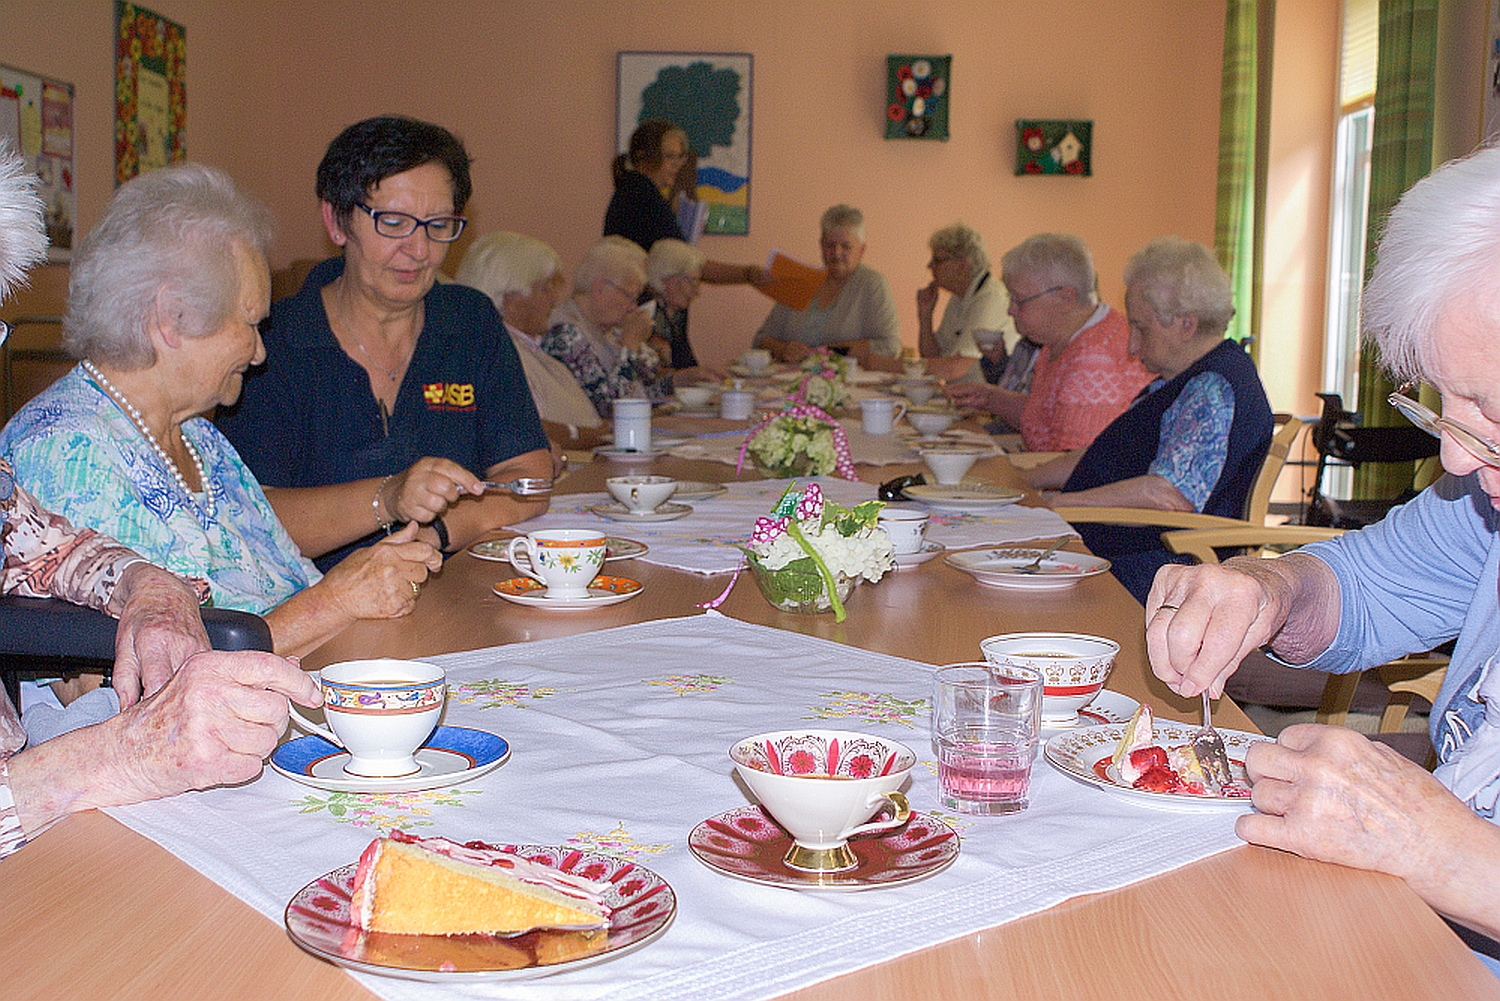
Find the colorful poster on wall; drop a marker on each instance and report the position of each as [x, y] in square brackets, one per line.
[150, 91]
[36, 115]
[708, 95]
[1054, 146]
[916, 95]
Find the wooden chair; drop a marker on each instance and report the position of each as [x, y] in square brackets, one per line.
[1256, 505]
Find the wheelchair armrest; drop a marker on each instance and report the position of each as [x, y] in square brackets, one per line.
[48, 627]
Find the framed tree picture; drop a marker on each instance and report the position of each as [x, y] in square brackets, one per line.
[708, 95]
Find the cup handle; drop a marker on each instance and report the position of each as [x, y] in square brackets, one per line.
[526, 569]
[900, 412]
[902, 815]
[301, 722]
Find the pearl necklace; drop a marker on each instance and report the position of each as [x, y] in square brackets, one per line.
[140, 422]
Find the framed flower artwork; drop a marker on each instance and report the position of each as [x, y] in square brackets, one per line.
[1054, 146]
[916, 95]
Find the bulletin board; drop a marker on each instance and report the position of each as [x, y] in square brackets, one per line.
[36, 114]
[150, 91]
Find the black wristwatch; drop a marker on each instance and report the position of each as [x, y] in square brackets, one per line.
[442, 534]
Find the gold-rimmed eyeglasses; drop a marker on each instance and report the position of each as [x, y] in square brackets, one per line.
[1476, 444]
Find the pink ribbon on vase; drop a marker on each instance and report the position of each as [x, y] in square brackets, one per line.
[843, 462]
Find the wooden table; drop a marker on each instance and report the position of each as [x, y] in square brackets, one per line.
[91, 909]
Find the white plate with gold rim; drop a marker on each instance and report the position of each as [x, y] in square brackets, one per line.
[667, 511]
[1085, 753]
[615, 548]
[965, 497]
[1002, 568]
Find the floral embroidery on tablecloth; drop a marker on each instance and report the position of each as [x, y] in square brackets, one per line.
[690, 684]
[492, 693]
[615, 842]
[872, 707]
[383, 810]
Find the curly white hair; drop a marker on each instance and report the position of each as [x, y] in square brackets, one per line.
[23, 237]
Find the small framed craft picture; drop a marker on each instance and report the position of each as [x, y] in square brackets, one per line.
[1054, 146]
[916, 94]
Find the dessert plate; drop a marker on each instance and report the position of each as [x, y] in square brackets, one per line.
[615, 511]
[696, 490]
[970, 497]
[453, 754]
[928, 551]
[641, 907]
[1107, 707]
[1084, 754]
[615, 548]
[602, 591]
[628, 454]
[747, 844]
[1002, 568]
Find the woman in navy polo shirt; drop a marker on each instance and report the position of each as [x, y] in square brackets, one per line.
[385, 397]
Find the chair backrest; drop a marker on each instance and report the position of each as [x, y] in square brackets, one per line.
[1259, 502]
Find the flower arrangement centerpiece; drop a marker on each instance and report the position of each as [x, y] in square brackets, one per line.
[799, 441]
[823, 383]
[808, 554]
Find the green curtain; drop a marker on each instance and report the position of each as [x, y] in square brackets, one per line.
[1401, 156]
[1234, 221]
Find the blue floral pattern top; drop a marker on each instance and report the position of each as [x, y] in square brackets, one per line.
[80, 455]
[1194, 439]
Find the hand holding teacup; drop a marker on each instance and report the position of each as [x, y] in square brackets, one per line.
[380, 711]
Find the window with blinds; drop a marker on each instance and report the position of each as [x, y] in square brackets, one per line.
[1357, 60]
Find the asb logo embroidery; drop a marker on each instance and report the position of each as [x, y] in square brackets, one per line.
[449, 395]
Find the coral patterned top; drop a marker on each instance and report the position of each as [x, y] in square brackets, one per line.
[1077, 391]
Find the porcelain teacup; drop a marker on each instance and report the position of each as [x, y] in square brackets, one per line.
[822, 786]
[641, 493]
[756, 360]
[565, 559]
[694, 397]
[380, 711]
[1074, 667]
[905, 526]
[949, 465]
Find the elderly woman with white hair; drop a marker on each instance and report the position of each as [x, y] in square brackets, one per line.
[852, 312]
[1195, 439]
[524, 278]
[977, 301]
[1424, 575]
[674, 273]
[600, 333]
[165, 303]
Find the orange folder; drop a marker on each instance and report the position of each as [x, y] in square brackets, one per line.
[793, 284]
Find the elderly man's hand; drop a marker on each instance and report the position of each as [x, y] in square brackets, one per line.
[1331, 794]
[212, 724]
[159, 628]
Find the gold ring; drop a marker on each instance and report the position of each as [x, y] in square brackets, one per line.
[415, 587]
[1167, 608]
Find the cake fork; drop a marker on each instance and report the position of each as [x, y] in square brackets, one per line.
[522, 486]
[1209, 748]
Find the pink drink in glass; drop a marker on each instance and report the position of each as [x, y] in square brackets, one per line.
[984, 773]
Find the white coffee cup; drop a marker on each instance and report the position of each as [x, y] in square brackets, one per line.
[756, 360]
[919, 391]
[949, 465]
[987, 340]
[632, 424]
[879, 413]
[641, 493]
[736, 404]
[905, 526]
[380, 711]
[565, 559]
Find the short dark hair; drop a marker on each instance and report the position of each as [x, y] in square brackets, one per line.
[368, 152]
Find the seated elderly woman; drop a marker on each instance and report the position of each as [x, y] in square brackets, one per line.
[164, 306]
[1424, 575]
[674, 272]
[225, 711]
[1197, 435]
[976, 301]
[852, 311]
[524, 278]
[600, 333]
[387, 397]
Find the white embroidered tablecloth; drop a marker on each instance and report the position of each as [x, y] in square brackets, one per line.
[703, 542]
[619, 743]
[900, 446]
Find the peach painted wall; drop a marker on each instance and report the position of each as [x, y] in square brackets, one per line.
[530, 85]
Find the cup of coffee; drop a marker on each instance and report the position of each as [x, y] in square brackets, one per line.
[736, 404]
[641, 493]
[380, 711]
[905, 526]
[879, 414]
[757, 360]
[565, 559]
[823, 786]
[988, 340]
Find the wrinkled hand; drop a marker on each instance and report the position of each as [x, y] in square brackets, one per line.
[212, 724]
[636, 328]
[789, 352]
[976, 395]
[427, 489]
[159, 628]
[376, 582]
[1328, 793]
[927, 298]
[1201, 621]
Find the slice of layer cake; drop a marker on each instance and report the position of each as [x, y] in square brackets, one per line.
[432, 886]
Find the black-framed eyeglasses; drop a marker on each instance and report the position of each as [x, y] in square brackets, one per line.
[1019, 303]
[5, 330]
[1469, 440]
[399, 225]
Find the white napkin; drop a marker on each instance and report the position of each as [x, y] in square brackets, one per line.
[1473, 770]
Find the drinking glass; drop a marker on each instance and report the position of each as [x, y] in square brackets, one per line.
[986, 719]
